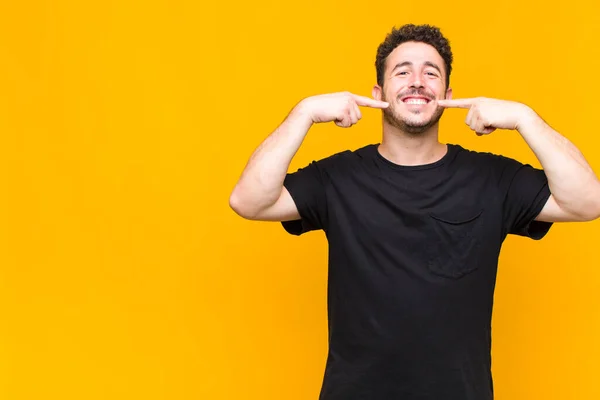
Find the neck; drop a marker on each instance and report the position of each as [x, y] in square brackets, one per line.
[407, 148]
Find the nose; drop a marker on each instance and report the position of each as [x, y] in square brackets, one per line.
[416, 81]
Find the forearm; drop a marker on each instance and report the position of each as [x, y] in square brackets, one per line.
[574, 186]
[261, 182]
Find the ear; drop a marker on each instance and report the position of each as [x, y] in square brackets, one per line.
[449, 94]
[377, 92]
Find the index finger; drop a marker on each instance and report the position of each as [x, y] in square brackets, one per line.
[368, 102]
[457, 103]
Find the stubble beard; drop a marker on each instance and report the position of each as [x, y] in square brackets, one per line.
[412, 126]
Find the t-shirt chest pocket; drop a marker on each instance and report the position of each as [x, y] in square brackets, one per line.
[456, 241]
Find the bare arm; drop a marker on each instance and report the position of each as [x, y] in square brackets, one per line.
[574, 186]
[259, 194]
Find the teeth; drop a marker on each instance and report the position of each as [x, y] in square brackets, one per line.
[416, 101]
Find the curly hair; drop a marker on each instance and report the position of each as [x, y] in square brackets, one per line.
[413, 33]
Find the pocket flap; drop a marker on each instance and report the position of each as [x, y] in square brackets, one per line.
[458, 216]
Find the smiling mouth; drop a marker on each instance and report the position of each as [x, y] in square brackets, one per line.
[416, 100]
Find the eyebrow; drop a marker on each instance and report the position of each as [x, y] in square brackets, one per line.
[428, 63]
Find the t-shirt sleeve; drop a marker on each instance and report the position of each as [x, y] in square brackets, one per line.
[526, 194]
[307, 188]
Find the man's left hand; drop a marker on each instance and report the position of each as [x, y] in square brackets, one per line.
[486, 115]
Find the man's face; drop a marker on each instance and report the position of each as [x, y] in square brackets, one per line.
[414, 75]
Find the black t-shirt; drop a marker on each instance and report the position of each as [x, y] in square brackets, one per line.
[413, 255]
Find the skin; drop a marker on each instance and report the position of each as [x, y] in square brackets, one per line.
[410, 132]
[410, 137]
[574, 186]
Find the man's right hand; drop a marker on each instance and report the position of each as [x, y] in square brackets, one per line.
[342, 107]
[260, 194]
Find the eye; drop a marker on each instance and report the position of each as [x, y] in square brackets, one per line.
[431, 73]
[402, 73]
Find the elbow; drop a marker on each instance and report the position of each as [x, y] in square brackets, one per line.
[587, 213]
[594, 209]
[594, 212]
[237, 205]
[241, 207]
[590, 211]
[587, 207]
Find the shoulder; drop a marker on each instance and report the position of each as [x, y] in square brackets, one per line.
[505, 172]
[344, 158]
[478, 155]
[355, 155]
[486, 159]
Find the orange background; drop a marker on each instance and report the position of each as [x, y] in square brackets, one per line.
[123, 272]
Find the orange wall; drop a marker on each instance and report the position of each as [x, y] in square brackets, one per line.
[123, 272]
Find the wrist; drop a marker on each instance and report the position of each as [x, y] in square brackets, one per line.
[299, 119]
[527, 119]
[302, 112]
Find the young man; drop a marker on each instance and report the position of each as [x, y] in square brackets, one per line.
[414, 226]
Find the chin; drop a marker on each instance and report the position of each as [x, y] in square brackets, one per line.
[416, 129]
[414, 124]
[417, 119]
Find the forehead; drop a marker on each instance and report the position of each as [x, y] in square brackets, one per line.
[415, 52]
